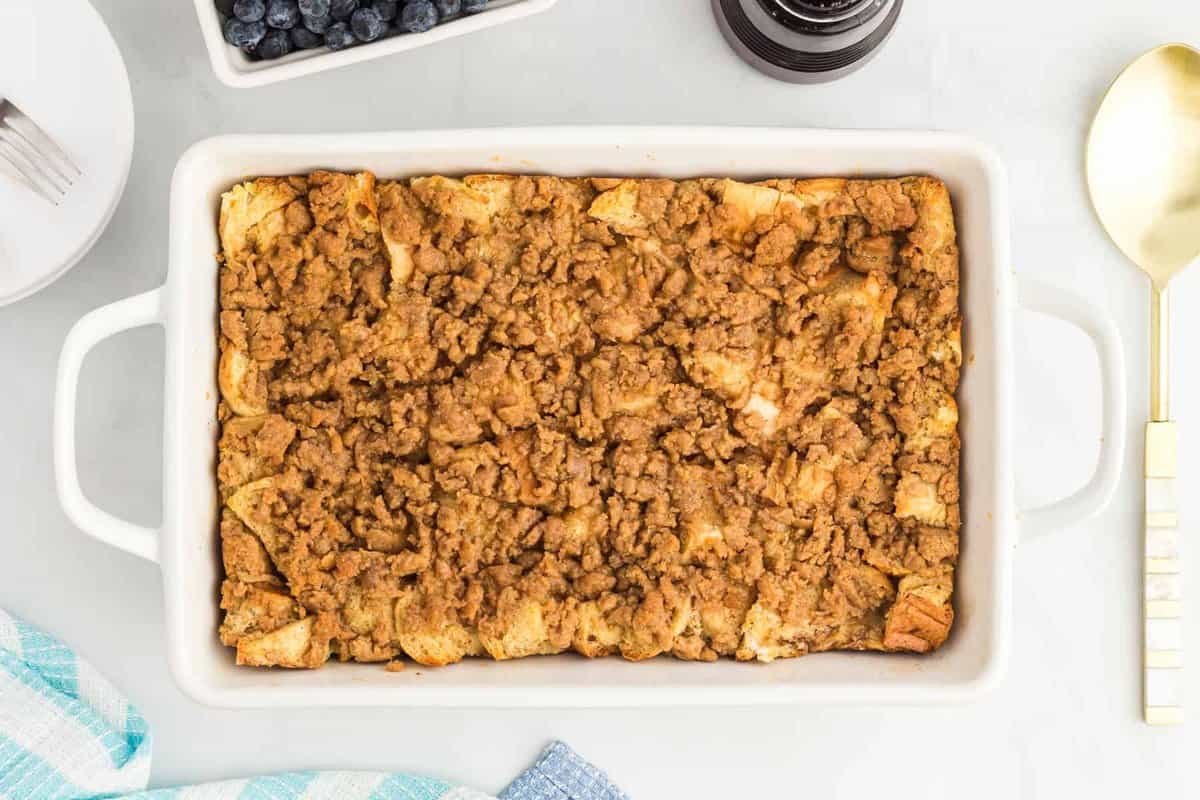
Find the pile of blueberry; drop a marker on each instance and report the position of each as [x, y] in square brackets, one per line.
[271, 29]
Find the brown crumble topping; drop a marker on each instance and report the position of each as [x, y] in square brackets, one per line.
[504, 416]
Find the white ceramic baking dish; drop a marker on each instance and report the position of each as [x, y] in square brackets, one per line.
[236, 69]
[186, 545]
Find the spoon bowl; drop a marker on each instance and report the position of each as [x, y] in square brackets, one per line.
[1143, 161]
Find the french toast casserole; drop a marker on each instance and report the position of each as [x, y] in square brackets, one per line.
[506, 416]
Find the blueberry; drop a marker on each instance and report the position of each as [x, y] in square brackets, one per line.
[225, 7]
[474, 6]
[387, 10]
[304, 39]
[418, 16]
[276, 44]
[283, 14]
[367, 25]
[244, 34]
[448, 8]
[342, 9]
[317, 24]
[339, 37]
[314, 8]
[250, 10]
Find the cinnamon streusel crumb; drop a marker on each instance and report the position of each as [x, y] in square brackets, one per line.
[505, 416]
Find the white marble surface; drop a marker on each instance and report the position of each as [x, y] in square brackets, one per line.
[1066, 720]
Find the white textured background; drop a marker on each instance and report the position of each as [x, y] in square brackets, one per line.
[1023, 75]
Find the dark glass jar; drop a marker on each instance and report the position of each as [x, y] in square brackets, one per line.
[807, 41]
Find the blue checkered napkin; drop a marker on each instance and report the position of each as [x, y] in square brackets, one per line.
[67, 734]
[561, 774]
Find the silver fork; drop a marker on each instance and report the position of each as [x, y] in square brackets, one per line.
[37, 161]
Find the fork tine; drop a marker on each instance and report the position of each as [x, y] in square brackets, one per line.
[29, 174]
[33, 132]
[52, 172]
[24, 176]
[33, 163]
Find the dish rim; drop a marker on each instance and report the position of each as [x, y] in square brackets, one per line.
[189, 170]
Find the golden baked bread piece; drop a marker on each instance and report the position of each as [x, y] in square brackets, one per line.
[507, 416]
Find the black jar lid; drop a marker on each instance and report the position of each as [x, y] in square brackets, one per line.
[807, 41]
[822, 17]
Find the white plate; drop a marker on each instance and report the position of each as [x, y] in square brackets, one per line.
[60, 65]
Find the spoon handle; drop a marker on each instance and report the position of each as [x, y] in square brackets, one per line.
[1163, 581]
[1162, 564]
[1160, 358]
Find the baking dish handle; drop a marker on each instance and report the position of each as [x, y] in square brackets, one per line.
[1092, 498]
[134, 312]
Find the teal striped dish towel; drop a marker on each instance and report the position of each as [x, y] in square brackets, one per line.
[67, 734]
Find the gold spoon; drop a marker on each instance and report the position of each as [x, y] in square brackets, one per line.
[1143, 171]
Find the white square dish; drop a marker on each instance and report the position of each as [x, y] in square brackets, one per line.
[187, 546]
[236, 69]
